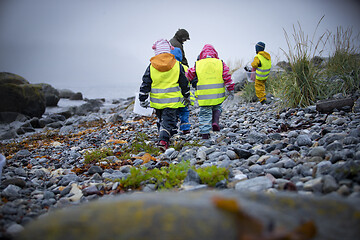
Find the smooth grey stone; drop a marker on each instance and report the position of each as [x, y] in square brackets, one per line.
[335, 146]
[272, 159]
[243, 153]
[314, 185]
[95, 169]
[231, 154]
[323, 168]
[303, 140]
[22, 153]
[65, 180]
[11, 191]
[317, 151]
[256, 168]
[329, 184]
[254, 184]
[192, 177]
[276, 172]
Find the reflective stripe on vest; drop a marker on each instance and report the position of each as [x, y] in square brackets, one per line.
[210, 88]
[263, 72]
[165, 90]
[192, 98]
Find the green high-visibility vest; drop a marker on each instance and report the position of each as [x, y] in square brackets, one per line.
[210, 88]
[165, 89]
[262, 73]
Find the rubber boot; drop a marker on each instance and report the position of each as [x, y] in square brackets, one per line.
[205, 136]
[215, 120]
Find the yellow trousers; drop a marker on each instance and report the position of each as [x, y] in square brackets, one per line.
[260, 89]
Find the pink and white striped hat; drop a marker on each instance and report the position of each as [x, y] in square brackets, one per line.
[162, 46]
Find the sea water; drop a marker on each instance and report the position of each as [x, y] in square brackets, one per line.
[108, 92]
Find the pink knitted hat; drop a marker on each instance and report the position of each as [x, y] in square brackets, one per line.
[162, 46]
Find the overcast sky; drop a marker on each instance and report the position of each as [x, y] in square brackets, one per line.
[93, 43]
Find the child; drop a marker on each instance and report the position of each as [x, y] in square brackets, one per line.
[209, 76]
[262, 65]
[183, 111]
[165, 80]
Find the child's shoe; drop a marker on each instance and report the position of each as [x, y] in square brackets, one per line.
[163, 145]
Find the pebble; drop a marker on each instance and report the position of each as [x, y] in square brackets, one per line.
[317, 158]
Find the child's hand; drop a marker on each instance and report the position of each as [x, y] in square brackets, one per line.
[186, 101]
[145, 104]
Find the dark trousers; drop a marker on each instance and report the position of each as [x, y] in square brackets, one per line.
[167, 123]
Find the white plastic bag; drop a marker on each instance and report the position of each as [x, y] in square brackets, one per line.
[139, 109]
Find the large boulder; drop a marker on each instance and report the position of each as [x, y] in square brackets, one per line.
[6, 77]
[69, 94]
[17, 95]
[52, 95]
[202, 215]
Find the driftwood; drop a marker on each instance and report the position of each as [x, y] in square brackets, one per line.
[327, 106]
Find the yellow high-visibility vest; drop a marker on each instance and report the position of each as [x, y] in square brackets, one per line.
[210, 88]
[165, 89]
[262, 73]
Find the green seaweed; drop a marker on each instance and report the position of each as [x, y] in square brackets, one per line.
[97, 155]
[141, 143]
[172, 176]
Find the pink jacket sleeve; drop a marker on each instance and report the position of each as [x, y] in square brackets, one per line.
[190, 74]
[227, 78]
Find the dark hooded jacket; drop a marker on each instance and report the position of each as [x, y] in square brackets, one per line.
[178, 40]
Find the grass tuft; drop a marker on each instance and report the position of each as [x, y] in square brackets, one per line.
[300, 87]
[343, 68]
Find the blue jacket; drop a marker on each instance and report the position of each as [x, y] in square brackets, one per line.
[177, 53]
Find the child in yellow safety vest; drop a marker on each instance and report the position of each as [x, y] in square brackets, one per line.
[168, 86]
[262, 66]
[210, 76]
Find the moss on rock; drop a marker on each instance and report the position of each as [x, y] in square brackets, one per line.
[17, 95]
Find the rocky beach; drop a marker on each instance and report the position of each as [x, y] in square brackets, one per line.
[297, 151]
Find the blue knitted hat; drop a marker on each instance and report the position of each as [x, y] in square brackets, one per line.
[260, 46]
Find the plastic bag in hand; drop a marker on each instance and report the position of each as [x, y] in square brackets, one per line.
[231, 95]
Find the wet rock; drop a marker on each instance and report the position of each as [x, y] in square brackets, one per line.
[329, 184]
[285, 210]
[17, 95]
[254, 184]
[11, 191]
[304, 140]
[192, 178]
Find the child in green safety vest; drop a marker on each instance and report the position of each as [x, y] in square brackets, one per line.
[165, 81]
[262, 66]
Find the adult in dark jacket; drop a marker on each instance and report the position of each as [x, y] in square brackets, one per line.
[178, 41]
